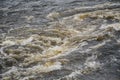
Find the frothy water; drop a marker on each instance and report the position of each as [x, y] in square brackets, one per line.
[60, 40]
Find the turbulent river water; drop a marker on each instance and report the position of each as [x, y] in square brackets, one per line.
[59, 40]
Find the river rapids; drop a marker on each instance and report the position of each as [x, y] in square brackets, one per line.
[59, 40]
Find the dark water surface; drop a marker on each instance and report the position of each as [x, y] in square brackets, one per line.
[59, 40]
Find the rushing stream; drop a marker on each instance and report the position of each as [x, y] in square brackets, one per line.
[59, 40]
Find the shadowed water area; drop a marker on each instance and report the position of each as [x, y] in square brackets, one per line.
[59, 40]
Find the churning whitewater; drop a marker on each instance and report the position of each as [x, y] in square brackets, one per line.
[60, 40]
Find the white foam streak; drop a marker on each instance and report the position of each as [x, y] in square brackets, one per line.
[42, 68]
